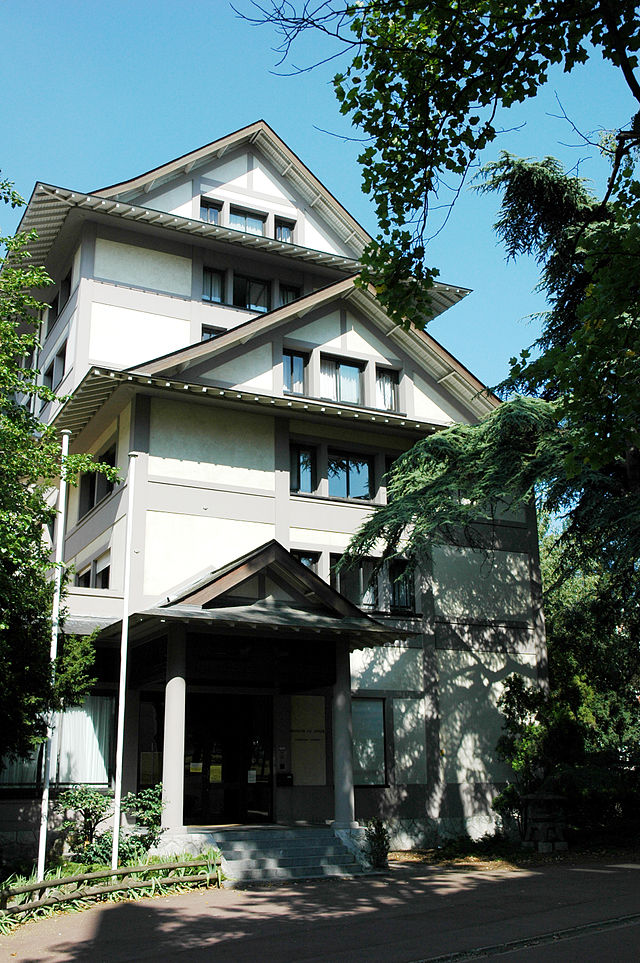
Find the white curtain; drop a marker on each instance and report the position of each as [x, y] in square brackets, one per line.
[385, 391]
[328, 379]
[84, 738]
[349, 383]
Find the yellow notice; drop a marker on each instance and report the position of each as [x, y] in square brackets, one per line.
[195, 767]
[215, 773]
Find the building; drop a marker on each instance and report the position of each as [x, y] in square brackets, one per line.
[205, 316]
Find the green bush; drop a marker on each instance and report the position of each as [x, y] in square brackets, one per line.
[147, 807]
[91, 807]
[378, 843]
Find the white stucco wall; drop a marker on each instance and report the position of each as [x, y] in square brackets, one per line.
[123, 337]
[475, 584]
[409, 716]
[176, 200]
[388, 667]
[143, 267]
[220, 447]
[424, 405]
[178, 546]
[470, 684]
[253, 369]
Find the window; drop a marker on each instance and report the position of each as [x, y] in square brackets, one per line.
[402, 592]
[368, 742]
[293, 364]
[387, 389]
[55, 371]
[94, 486]
[97, 574]
[288, 293]
[212, 286]
[350, 476]
[208, 333]
[359, 584]
[309, 559]
[340, 380]
[246, 221]
[210, 210]
[302, 474]
[250, 293]
[284, 230]
[65, 291]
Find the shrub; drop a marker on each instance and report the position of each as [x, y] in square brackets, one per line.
[378, 843]
[92, 806]
[147, 807]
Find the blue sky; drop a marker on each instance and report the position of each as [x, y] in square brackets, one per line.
[95, 93]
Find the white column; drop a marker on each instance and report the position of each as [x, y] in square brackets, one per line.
[343, 742]
[174, 728]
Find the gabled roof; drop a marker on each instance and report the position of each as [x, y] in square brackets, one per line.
[316, 610]
[428, 352]
[289, 165]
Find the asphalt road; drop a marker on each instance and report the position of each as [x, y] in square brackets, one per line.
[566, 911]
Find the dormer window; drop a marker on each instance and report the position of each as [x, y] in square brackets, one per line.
[340, 380]
[284, 230]
[293, 364]
[246, 221]
[387, 389]
[210, 211]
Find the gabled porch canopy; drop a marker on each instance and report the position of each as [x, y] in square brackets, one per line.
[268, 591]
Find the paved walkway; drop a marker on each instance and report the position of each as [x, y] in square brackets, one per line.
[582, 911]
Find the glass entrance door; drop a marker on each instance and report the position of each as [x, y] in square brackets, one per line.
[228, 759]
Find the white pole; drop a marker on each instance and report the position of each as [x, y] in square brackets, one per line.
[55, 627]
[124, 644]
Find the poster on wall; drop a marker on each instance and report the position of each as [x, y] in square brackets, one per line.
[308, 740]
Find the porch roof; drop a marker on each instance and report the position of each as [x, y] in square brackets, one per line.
[268, 618]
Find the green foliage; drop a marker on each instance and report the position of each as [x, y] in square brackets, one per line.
[580, 738]
[378, 844]
[29, 470]
[423, 87]
[90, 807]
[147, 808]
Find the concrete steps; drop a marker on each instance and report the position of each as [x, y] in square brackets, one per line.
[279, 853]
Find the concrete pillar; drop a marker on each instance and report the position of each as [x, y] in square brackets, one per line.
[343, 743]
[174, 728]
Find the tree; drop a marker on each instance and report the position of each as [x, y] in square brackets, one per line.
[29, 468]
[424, 85]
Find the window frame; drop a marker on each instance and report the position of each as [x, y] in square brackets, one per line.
[251, 280]
[210, 272]
[291, 288]
[235, 211]
[338, 363]
[314, 557]
[94, 487]
[401, 578]
[283, 222]
[291, 353]
[367, 582]
[296, 448]
[94, 572]
[334, 454]
[395, 380]
[385, 763]
[209, 204]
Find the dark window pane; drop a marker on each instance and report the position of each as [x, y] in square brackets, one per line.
[402, 598]
[338, 476]
[251, 294]
[293, 372]
[368, 742]
[359, 483]
[102, 578]
[308, 559]
[288, 293]
[302, 469]
[212, 286]
[84, 579]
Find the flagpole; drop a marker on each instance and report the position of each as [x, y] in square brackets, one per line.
[124, 644]
[55, 629]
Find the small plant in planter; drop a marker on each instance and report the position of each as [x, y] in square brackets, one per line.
[378, 843]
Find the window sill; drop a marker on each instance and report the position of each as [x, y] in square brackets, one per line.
[334, 499]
